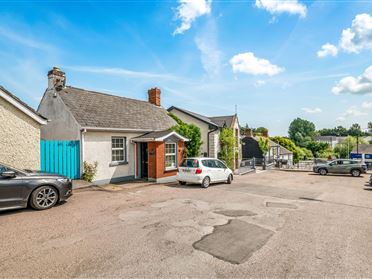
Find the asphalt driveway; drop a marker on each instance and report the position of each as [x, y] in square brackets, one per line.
[271, 224]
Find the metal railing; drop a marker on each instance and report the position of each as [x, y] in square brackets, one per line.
[247, 166]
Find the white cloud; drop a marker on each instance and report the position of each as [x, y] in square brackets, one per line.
[206, 42]
[351, 112]
[249, 64]
[121, 72]
[189, 10]
[359, 36]
[275, 7]
[367, 105]
[312, 110]
[259, 83]
[327, 50]
[355, 85]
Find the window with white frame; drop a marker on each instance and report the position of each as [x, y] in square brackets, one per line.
[170, 156]
[118, 149]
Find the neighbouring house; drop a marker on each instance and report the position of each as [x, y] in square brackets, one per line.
[331, 140]
[210, 128]
[363, 152]
[128, 138]
[19, 132]
[251, 149]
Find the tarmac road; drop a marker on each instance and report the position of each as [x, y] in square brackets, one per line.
[271, 224]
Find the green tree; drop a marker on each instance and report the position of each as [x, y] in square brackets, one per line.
[227, 143]
[260, 131]
[317, 148]
[301, 132]
[338, 131]
[264, 145]
[355, 130]
[370, 127]
[190, 131]
[342, 150]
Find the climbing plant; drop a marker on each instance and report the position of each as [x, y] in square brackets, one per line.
[264, 145]
[191, 132]
[227, 143]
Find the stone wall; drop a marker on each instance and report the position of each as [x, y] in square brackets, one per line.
[19, 138]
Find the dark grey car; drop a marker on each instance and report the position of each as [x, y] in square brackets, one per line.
[341, 166]
[21, 188]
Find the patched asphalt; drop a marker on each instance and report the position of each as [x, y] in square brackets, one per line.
[234, 242]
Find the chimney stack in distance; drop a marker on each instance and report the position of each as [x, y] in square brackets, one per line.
[154, 96]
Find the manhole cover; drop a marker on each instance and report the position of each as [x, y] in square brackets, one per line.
[234, 242]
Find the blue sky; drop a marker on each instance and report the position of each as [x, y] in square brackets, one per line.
[207, 56]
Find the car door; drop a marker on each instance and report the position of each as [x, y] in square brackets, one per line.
[11, 189]
[224, 171]
[210, 169]
[335, 167]
[346, 166]
[219, 170]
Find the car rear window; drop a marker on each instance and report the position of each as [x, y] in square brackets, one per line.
[190, 163]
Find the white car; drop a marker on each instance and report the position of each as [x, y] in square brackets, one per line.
[203, 171]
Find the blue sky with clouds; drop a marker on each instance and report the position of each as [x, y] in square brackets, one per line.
[275, 60]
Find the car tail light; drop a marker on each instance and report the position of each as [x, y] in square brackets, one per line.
[198, 171]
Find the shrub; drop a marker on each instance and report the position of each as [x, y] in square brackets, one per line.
[227, 142]
[191, 132]
[90, 171]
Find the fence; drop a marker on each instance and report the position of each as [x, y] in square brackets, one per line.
[60, 157]
[247, 166]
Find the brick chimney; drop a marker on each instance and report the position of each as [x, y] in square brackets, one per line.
[154, 96]
[248, 132]
[56, 79]
[265, 133]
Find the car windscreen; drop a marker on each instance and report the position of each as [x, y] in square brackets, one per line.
[190, 163]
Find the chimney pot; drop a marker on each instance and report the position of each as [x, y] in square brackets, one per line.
[154, 96]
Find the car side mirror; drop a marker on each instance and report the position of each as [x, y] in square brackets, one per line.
[8, 174]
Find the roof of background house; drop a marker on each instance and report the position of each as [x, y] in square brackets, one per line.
[223, 121]
[329, 138]
[363, 149]
[100, 110]
[283, 150]
[218, 121]
[23, 104]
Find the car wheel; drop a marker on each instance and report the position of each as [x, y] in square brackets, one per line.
[44, 197]
[322, 171]
[182, 182]
[355, 173]
[206, 182]
[230, 179]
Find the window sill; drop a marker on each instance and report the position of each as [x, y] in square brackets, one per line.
[171, 169]
[114, 164]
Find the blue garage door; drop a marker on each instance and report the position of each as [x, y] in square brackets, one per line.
[61, 157]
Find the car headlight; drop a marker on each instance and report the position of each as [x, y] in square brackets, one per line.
[63, 180]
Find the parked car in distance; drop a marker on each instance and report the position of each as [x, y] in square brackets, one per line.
[341, 166]
[204, 171]
[20, 188]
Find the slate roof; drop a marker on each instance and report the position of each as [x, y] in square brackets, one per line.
[21, 102]
[363, 149]
[100, 110]
[223, 121]
[218, 121]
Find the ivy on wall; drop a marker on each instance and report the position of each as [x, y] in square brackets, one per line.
[227, 143]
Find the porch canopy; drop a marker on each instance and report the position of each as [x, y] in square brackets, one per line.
[159, 136]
